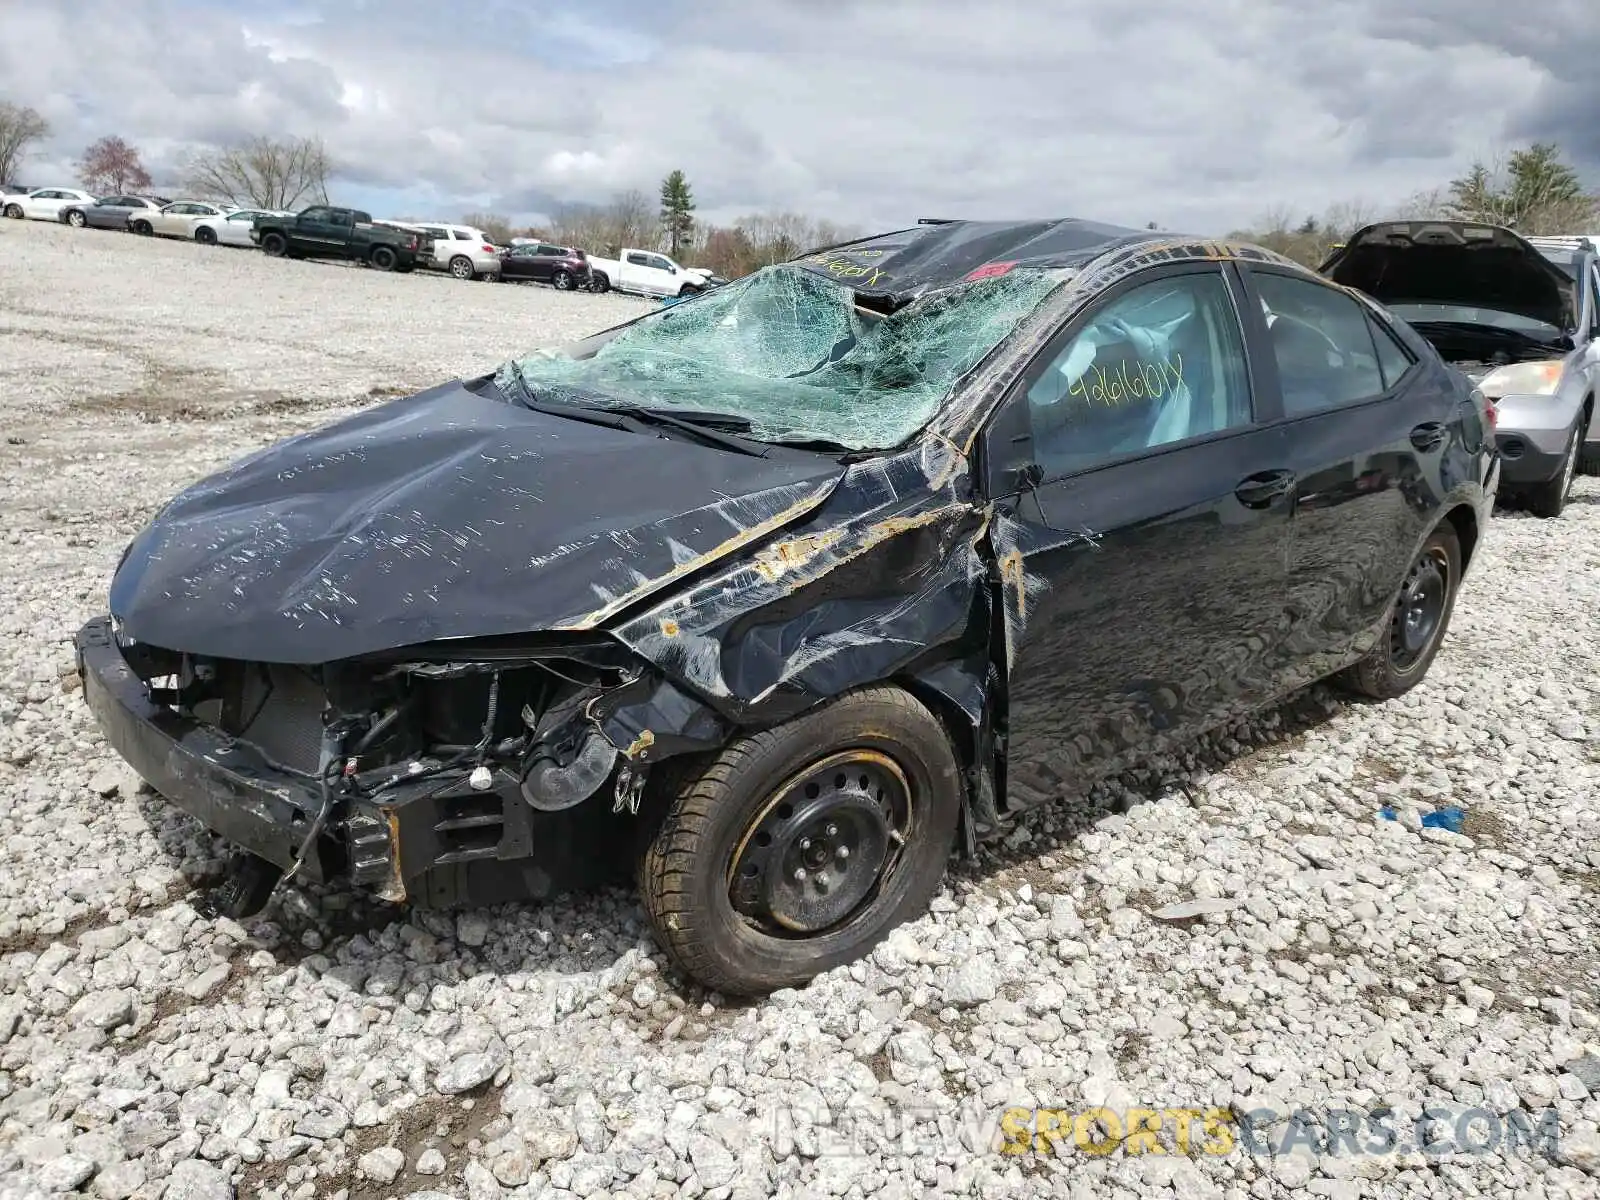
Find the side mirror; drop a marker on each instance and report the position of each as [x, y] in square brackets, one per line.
[1028, 476]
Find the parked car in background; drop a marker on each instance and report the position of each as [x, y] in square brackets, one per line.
[232, 228]
[176, 220]
[466, 252]
[563, 267]
[324, 231]
[646, 273]
[43, 204]
[1522, 321]
[800, 585]
[111, 212]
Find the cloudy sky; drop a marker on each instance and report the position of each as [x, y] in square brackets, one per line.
[872, 112]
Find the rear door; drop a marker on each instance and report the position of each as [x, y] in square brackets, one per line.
[110, 213]
[1143, 524]
[1369, 429]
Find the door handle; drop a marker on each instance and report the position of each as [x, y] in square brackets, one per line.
[1262, 488]
[1430, 435]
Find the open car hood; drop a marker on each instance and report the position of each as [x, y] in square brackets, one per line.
[1454, 262]
[451, 513]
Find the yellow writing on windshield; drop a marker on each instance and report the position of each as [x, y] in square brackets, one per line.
[843, 268]
[1135, 380]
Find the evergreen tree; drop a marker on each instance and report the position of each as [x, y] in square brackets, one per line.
[677, 212]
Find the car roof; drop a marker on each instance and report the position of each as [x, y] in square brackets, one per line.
[937, 254]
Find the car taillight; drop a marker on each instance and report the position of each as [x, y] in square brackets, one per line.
[488, 249]
[1492, 413]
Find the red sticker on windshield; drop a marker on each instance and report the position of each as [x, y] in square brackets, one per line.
[989, 271]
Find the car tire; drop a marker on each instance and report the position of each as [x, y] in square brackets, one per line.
[600, 283]
[1418, 621]
[1588, 457]
[1547, 499]
[562, 281]
[461, 267]
[689, 289]
[76, 219]
[206, 235]
[274, 245]
[383, 258]
[142, 228]
[14, 211]
[875, 763]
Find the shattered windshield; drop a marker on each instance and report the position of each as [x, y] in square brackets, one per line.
[796, 356]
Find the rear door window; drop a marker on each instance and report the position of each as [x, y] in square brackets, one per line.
[1323, 342]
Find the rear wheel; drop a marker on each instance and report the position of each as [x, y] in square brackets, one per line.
[206, 235]
[1549, 498]
[461, 267]
[1417, 622]
[600, 282]
[383, 258]
[562, 281]
[76, 219]
[799, 848]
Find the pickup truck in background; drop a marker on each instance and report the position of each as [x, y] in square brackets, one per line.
[323, 231]
[645, 273]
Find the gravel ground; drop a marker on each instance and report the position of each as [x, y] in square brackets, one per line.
[1323, 958]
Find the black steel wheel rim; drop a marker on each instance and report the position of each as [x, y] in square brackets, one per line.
[1419, 613]
[823, 846]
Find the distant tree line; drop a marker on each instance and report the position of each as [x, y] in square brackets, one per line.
[1532, 190]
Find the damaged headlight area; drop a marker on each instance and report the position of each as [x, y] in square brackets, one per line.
[399, 772]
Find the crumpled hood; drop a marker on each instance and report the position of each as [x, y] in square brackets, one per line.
[446, 514]
[1454, 262]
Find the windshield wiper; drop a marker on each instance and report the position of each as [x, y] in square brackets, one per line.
[707, 427]
[1488, 332]
[593, 416]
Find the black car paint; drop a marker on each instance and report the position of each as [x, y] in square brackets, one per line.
[1039, 617]
[431, 517]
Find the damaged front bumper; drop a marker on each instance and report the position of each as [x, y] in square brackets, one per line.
[441, 840]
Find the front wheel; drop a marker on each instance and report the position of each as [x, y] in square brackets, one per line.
[689, 289]
[1550, 497]
[76, 219]
[599, 283]
[1417, 622]
[206, 235]
[799, 848]
[14, 211]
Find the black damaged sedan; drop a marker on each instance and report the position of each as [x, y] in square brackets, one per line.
[781, 594]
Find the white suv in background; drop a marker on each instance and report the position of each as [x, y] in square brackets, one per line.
[465, 252]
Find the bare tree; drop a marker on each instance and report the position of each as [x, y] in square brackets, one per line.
[262, 173]
[629, 220]
[111, 165]
[762, 239]
[493, 226]
[20, 128]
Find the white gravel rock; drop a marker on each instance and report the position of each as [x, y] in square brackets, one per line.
[1250, 931]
